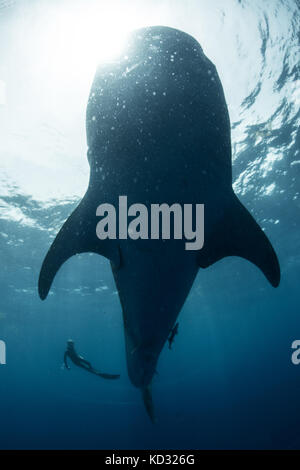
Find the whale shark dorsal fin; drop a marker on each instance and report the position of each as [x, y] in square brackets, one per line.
[77, 235]
[239, 235]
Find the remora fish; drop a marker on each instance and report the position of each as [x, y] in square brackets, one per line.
[158, 131]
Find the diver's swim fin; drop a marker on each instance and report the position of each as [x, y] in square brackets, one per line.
[77, 235]
[148, 402]
[240, 235]
[108, 376]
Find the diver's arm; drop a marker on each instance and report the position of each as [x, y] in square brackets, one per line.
[65, 360]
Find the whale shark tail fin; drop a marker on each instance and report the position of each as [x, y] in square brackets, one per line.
[239, 235]
[148, 402]
[77, 235]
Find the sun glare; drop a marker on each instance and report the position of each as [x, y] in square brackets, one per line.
[80, 38]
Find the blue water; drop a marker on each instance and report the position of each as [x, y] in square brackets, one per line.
[229, 381]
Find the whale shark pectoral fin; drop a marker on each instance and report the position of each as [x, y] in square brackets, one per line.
[239, 235]
[77, 235]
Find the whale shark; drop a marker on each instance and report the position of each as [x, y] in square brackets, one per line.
[158, 131]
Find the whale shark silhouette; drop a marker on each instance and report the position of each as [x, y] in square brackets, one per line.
[158, 130]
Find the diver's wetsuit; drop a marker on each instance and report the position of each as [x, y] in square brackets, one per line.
[81, 362]
[173, 333]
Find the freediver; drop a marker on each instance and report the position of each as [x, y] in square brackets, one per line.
[172, 335]
[81, 362]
